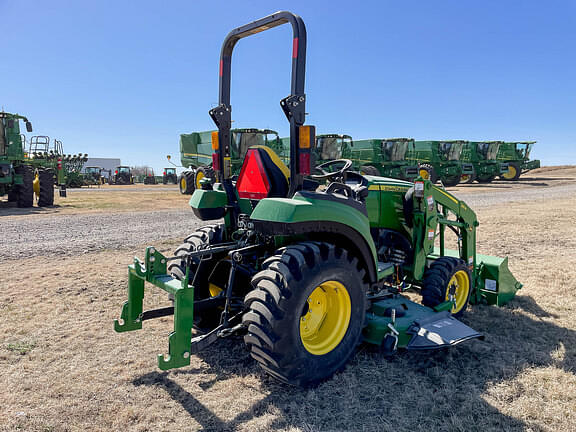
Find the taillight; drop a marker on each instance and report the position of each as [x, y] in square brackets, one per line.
[304, 163]
[215, 162]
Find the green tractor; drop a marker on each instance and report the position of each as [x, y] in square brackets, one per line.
[23, 175]
[482, 156]
[196, 154]
[93, 176]
[385, 157]
[122, 176]
[517, 155]
[305, 266]
[440, 160]
[169, 176]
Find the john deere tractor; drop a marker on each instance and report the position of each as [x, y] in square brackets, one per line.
[169, 176]
[440, 160]
[385, 157]
[122, 176]
[517, 156]
[482, 156]
[305, 266]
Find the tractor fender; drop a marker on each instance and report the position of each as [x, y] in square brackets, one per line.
[322, 219]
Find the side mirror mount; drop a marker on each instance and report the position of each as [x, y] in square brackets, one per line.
[28, 126]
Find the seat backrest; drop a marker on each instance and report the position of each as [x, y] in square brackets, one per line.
[263, 175]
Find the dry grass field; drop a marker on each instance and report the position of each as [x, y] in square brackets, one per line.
[62, 367]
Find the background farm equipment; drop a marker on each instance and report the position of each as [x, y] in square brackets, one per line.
[26, 174]
[440, 160]
[482, 155]
[307, 266]
[169, 176]
[517, 156]
[196, 154]
[122, 176]
[93, 176]
[385, 157]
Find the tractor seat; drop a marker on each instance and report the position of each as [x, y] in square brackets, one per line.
[263, 175]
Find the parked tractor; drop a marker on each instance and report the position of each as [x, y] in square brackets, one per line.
[517, 155]
[169, 176]
[307, 266]
[122, 176]
[440, 160]
[93, 176]
[385, 157]
[196, 154]
[482, 156]
[148, 177]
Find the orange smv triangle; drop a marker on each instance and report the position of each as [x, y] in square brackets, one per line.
[253, 182]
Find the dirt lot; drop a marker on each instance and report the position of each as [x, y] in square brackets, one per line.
[62, 367]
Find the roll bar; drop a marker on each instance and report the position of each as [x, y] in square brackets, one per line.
[293, 105]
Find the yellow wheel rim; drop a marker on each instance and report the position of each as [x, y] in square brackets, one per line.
[464, 178]
[199, 176]
[458, 289]
[36, 185]
[424, 174]
[511, 173]
[183, 183]
[325, 318]
[214, 289]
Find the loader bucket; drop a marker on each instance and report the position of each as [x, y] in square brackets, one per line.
[496, 283]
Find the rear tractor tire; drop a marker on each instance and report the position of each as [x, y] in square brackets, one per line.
[447, 278]
[427, 172]
[306, 314]
[46, 193]
[486, 179]
[203, 286]
[25, 191]
[451, 181]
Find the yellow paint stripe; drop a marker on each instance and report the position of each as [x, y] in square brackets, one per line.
[447, 194]
[374, 187]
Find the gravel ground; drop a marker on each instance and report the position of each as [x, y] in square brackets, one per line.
[83, 233]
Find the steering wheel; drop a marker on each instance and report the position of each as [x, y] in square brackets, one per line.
[347, 163]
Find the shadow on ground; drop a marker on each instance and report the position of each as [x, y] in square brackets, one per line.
[435, 390]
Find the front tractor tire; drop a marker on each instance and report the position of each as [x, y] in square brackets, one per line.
[306, 314]
[513, 172]
[446, 279]
[186, 182]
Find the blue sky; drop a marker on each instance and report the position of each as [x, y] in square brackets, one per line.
[125, 78]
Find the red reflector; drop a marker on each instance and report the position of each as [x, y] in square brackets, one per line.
[295, 48]
[253, 182]
[221, 67]
[304, 163]
[215, 162]
[116, 172]
[164, 173]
